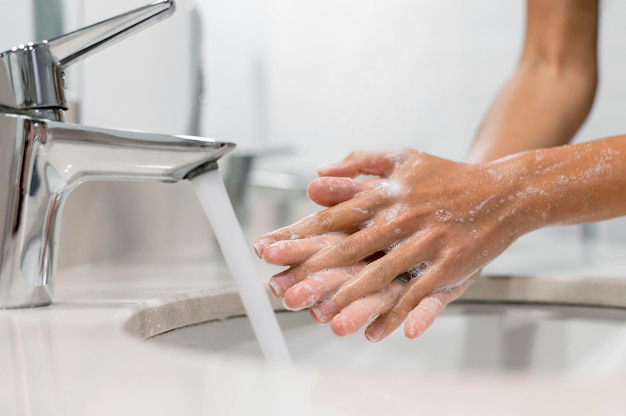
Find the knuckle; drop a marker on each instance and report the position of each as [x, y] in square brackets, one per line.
[381, 271]
[377, 275]
[325, 219]
[346, 249]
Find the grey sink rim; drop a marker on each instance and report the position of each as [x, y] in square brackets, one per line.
[158, 316]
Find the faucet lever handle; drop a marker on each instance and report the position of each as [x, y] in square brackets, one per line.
[73, 46]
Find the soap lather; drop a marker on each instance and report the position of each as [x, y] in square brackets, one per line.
[42, 158]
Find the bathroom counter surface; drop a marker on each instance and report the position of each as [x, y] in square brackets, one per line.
[79, 357]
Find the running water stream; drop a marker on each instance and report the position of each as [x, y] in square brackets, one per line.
[211, 192]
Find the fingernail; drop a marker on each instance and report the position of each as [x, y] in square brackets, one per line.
[325, 310]
[282, 282]
[261, 244]
[375, 332]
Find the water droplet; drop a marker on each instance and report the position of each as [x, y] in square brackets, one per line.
[442, 215]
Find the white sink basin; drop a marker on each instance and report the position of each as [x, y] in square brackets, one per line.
[485, 338]
[566, 321]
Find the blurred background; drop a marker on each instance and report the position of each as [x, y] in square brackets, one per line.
[296, 85]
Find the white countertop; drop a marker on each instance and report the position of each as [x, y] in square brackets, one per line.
[75, 357]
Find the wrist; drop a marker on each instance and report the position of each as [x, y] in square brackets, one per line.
[526, 200]
[570, 184]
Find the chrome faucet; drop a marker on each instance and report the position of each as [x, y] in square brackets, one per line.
[43, 158]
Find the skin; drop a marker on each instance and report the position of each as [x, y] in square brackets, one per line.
[443, 221]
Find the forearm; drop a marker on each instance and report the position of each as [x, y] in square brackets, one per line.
[570, 184]
[551, 93]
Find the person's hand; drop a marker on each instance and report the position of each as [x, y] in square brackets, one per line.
[401, 246]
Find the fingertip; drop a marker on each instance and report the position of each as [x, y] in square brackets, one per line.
[342, 326]
[287, 304]
[421, 318]
[301, 295]
[284, 253]
[272, 254]
[326, 170]
[331, 190]
[261, 244]
[411, 331]
[281, 282]
[324, 311]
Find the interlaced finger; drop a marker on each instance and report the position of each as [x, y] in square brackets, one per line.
[330, 191]
[413, 294]
[352, 249]
[429, 308]
[409, 256]
[343, 217]
[379, 163]
[290, 252]
[316, 286]
[362, 311]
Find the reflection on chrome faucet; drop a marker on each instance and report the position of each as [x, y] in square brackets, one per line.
[44, 158]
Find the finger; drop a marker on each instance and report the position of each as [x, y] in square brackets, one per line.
[343, 217]
[408, 255]
[366, 243]
[317, 286]
[379, 163]
[330, 191]
[424, 314]
[413, 294]
[286, 252]
[361, 311]
[429, 308]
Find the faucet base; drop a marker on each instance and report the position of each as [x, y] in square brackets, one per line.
[39, 298]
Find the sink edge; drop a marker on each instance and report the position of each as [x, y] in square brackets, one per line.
[157, 316]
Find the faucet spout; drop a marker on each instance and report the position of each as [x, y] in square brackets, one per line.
[45, 160]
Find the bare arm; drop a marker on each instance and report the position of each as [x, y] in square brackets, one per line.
[551, 93]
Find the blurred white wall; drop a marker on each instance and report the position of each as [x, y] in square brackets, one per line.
[351, 74]
[19, 30]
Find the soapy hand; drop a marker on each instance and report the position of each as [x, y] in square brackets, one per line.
[397, 247]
